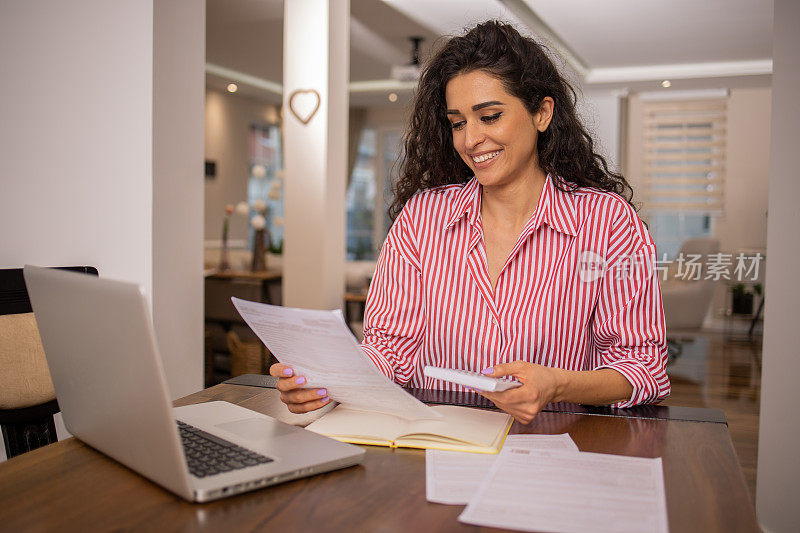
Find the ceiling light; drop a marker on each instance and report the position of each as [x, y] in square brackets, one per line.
[232, 87]
[666, 83]
[392, 97]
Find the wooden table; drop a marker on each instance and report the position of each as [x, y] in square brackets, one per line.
[68, 486]
[266, 277]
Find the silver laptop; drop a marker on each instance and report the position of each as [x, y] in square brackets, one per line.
[101, 348]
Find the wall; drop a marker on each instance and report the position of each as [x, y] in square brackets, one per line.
[89, 176]
[601, 113]
[778, 461]
[744, 224]
[387, 115]
[228, 118]
[76, 143]
[633, 143]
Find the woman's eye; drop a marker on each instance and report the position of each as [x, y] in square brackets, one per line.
[491, 118]
[458, 125]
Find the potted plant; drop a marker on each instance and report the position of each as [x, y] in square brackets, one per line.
[742, 302]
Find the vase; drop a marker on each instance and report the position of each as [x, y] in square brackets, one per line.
[224, 260]
[259, 251]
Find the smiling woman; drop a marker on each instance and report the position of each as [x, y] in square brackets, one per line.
[514, 250]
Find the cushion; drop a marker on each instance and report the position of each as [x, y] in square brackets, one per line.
[24, 376]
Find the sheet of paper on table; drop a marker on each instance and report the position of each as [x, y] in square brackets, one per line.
[548, 490]
[319, 346]
[453, 477]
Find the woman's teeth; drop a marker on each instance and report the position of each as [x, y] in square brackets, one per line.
[485, 157]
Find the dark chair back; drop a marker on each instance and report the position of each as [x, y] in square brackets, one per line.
[26, 428]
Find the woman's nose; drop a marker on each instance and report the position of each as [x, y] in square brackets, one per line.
[473, 135]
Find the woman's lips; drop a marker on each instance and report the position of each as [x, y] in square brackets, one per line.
[485, 159]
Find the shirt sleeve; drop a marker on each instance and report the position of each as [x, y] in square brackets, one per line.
[394, 318]
[629, 332]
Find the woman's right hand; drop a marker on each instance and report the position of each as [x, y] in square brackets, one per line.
[296, 398]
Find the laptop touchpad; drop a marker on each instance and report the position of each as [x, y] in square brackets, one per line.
[256, 429]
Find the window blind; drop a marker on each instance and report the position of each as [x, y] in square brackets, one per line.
[684, 155]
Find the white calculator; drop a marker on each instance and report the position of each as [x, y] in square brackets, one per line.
[475, 380]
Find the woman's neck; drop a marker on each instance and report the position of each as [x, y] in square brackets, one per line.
[511, 205]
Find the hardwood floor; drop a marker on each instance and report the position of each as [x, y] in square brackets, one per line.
[723, 375]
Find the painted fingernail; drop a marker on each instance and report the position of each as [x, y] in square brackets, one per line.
[322, 392]
[489, 370]
[300, 380]
[288, 371]
[325, 399]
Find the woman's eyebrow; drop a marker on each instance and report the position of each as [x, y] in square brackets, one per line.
[476, 107]
[486, 104]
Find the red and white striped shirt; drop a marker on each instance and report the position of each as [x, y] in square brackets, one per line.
[578, 291]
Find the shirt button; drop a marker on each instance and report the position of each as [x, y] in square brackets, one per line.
[494, 321]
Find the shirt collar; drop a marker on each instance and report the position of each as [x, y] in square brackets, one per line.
[559, 210]
[556, 208]
[467, 202]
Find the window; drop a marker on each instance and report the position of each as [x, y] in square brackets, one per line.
[370, 192]
[266, 182]
[360, 201]
[391, 141]
[683, 169]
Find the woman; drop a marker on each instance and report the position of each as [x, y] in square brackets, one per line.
[515, 250]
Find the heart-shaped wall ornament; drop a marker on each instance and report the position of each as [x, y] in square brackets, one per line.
[304, 104]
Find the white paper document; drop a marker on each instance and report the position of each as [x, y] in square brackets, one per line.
[319, 346]
[544, 490]
[453, 477]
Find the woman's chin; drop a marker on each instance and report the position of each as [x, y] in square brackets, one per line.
[492, 178]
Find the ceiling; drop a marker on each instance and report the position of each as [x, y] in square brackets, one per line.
[613, 44]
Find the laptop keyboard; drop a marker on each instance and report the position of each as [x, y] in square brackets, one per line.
[207, 454]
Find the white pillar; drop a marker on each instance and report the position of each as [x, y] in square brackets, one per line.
[778, 460]
[316, 61]
[178, 99]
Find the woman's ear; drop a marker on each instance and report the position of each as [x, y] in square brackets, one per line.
[542, 117]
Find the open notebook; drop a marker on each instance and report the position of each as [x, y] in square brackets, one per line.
[460, 429]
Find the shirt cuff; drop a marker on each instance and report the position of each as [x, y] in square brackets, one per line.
[379, 361]
[646, 389]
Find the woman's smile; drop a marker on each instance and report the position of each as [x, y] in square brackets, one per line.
[484, 159]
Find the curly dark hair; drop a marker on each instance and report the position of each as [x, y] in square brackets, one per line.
[565, 149]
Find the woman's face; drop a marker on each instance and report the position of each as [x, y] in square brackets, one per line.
[493, 132]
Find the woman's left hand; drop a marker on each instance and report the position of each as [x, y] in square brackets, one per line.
[540, 386]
